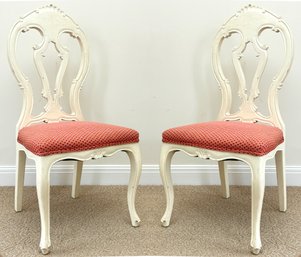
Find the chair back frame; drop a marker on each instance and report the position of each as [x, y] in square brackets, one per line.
[249, 23]
[51, 23]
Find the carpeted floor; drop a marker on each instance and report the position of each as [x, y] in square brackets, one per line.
[97, 223]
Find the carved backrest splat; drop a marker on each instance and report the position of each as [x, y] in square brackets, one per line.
[249, 23]
[51, 23]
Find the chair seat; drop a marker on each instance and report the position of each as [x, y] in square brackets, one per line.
[237, 137]
[74, 136]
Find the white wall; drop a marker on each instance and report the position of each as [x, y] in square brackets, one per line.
[150, 70]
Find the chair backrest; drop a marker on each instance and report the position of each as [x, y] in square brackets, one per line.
[51, 23]
[249, 23]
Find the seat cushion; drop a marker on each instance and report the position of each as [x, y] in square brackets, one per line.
[237, 137]
[74, 136]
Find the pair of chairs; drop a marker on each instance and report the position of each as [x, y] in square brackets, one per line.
[55, 135]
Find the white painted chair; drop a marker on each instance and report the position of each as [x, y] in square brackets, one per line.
[55, 135]
[238, 135]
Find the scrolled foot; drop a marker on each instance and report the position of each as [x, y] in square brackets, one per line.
[165, 222]
[45, 251]
[136, 222]
[256, 251]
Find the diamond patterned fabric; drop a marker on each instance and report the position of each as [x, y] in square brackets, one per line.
[74, 136]
[237, 137]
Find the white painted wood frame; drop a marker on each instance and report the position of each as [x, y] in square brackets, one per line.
[51, 23]
[248, 23]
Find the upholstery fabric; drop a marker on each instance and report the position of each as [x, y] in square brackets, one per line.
[228, 136]
[74, 136]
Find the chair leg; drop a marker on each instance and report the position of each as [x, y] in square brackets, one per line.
[165, 162]
[281, 180]
[258, 184]
[76, 179]
[223, 174]
[20, 162]
[43, 191]
[136, 166]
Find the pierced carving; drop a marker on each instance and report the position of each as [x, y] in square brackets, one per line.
[50, 22]
[249, 23]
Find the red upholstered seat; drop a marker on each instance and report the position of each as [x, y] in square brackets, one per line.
[238, 137]
[74, 136]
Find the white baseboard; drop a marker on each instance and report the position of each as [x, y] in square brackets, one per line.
[119, 175]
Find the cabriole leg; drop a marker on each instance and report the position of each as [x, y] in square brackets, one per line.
[136, 166]
[258, 184]
[43, 191]
[76, 179]
[280, 170]
[20, 162]
[165, 162]
[223, 174]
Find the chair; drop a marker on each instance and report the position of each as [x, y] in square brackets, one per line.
[55, 135]
[245, 135]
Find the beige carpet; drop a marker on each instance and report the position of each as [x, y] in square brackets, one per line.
[97, 223]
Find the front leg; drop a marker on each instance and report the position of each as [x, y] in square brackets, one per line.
[43, 191]
[258, 184]
[165, 162]
[136, 166]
